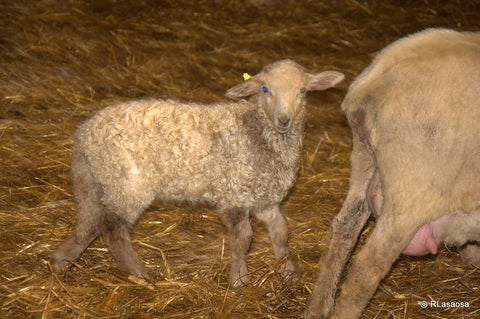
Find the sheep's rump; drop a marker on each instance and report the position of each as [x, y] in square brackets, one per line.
[423, 94]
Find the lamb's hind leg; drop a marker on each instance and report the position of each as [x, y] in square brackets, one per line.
[71, 248]
[116, 233]
[89, 216]
[277, 228]
[240, 237]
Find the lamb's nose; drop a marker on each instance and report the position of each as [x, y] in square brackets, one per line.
[284, 121]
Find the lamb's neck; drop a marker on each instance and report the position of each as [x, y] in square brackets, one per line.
[288, 145]
[284, 147]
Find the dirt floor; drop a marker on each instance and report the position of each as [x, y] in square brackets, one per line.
[61, 60]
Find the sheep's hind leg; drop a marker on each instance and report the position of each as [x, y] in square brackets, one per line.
[240, 237]
[392, 233]
[470, 254]
[277, 228]
[116, 233]
[344, 232]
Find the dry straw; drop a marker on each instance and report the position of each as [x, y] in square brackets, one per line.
[60, 61]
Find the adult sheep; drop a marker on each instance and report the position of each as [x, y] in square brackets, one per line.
[240, 157]
[415, 114]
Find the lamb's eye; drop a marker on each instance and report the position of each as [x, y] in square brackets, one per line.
[264, 89]
[303, 90]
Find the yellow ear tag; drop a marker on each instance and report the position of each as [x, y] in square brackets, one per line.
[247, 76]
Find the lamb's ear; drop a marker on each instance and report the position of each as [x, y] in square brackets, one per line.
[324, 80]
[247, 88]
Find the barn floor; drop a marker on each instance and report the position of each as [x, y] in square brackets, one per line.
[60, 61]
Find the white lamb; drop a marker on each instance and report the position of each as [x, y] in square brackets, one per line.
[240, 157]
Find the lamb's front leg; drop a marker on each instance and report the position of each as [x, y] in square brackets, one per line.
[276, 225]
[239, 237]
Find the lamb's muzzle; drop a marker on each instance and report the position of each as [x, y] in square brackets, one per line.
[282, 124]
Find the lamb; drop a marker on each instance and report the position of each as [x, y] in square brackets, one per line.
[240, 157]
[414, 114]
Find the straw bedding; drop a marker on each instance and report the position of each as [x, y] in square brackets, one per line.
[60, 61]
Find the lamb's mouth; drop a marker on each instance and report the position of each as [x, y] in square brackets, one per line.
[282, 126]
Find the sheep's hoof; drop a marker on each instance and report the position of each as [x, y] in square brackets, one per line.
[308, 315]
[470, 254]
[317, 310]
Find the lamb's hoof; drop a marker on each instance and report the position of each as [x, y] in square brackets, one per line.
[289, 273]
[65, 254]
[292, 278]
[150, 284]
[139, 271]
[59, 266]
[60, 261]
[241, 282]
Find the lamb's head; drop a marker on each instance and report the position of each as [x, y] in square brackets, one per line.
[280, 90]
